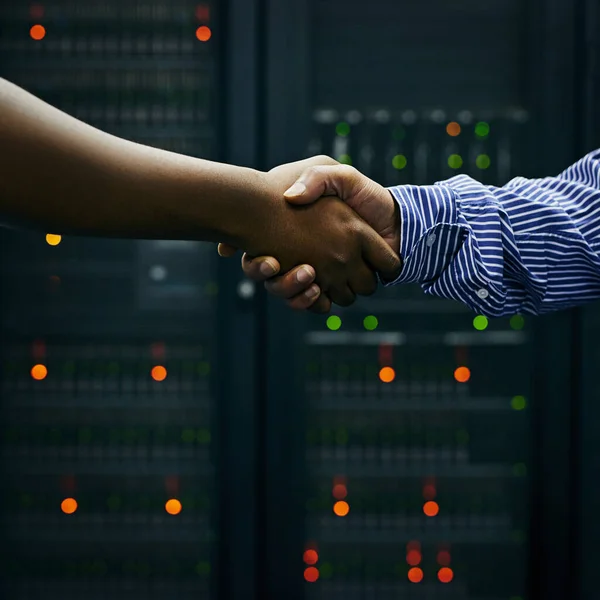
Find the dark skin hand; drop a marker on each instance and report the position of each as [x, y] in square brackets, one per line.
[370, 200]
[63, 176]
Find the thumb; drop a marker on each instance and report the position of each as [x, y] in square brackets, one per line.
[318, 181]
[378, 254]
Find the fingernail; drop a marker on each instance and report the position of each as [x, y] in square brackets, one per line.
[304, 275]
[312, 291]
[296, 190]
[267, 268]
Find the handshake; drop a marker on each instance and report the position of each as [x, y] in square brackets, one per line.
[329, 228]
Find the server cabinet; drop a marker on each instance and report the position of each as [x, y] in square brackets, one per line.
[109, 434]
[407, 441]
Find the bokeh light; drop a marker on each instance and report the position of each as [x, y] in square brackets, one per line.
[415, 575]
[68, 506]
[342, 129]
[311, 574]
[483, 161]
[413, 557]
[341, 508]
[203, 33]
[37, 32]
[158, 373]
[445, 575]
[173, 506]
[480, 322]
[399, 162]
[462, 374]
[517, 322]
[370, 323]
[334, 322]
[429, 491]
[482, 129]
[39, 372]
[387, 374]
[453, 129]
[310, 557]
[443, 558]
[340, 491]
[431, 508]
[455, 161]
[518, 403]
[53, 239]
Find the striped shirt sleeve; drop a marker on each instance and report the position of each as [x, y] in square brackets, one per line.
[531, 247]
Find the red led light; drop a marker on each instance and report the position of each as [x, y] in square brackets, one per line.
[37, 32]
[38, 349]
[453, 129]
[311, 557]
[203, 33]
[429, 491]
[311, 574]
[445, 575]
[36, 11]
[431, 509]
[443, 558]
[203, 13]
[413, 557]
[340, 491]
[415, 575]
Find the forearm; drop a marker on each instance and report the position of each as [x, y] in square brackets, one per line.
[61, 175]
[531, 246]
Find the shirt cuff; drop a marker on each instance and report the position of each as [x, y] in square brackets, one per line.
[429, 231]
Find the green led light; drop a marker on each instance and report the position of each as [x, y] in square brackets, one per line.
[370, 323]
[482, 129]
[462, 437]
[518, 403]
[483, 161]
[399, 162]
[342, 129]
[114, 502]
[480, 322]
[188, 435]
[520, 469]
[203, 436]
[399, 133]
[517, 322]
[334, 322]
[345, 159]
[455, 161]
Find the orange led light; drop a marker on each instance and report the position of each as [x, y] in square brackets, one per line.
[453, 129]
[158, 373]
[311, 557]
[37, 32]
[415, 575]
[431, 509]
[203, 33]
[311, 574]
[173, 506]
[443, 558]
[68, 506]
[413, 557]
[53, 239]
[387, 374]
[341, 508]
[445, 575]
[340, 491]
[462, 374]
[39, 372]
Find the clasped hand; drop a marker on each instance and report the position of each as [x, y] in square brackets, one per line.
[330, 250]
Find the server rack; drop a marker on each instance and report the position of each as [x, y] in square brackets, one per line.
[390, 432]
[109, 437]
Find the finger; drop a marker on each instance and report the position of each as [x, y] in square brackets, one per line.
[342, 295]
[317, 181]
[225, 250]
[379, 256]
[306, 299]
[322, 305]
[261, 268]
[292, 283]
[363, 280]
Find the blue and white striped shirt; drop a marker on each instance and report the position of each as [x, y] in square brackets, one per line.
[532, 246]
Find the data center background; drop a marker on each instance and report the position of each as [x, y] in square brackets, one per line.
[170, 432]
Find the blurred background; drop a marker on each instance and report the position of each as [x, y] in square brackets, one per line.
[169, 432]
